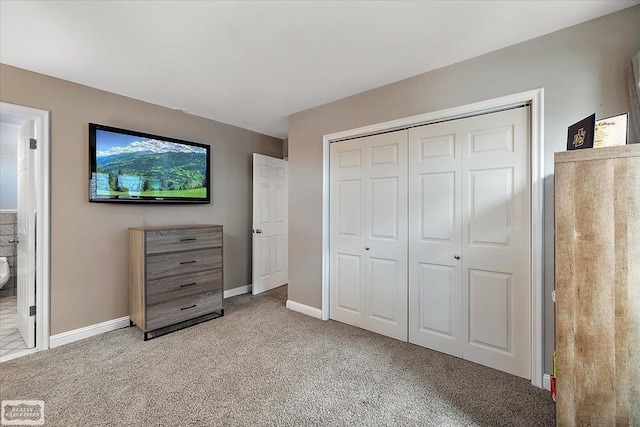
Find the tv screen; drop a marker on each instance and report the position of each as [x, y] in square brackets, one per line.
[129, 166]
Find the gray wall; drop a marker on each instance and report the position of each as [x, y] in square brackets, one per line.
[8, 165]
[89, 254]
[583, 69]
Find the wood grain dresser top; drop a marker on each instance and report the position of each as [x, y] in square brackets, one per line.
[629, 150]
[175, 227]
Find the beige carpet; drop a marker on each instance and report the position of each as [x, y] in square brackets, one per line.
[262, 364]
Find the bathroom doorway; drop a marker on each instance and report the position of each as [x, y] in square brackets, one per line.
[24, 230]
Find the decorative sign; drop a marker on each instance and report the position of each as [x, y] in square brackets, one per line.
[611, 131]
[581, 134]
[22, 413]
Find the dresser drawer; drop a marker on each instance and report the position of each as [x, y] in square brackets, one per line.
[180, 309]
[176, 263]
[170, 288]
[159, 241]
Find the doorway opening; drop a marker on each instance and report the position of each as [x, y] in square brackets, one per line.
[24, 231]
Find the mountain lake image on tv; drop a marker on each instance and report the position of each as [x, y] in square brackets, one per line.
[129, 166]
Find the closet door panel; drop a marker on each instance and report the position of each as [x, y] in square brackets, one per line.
[436, 288]
[496, 223]
[438, 207]
[384, 208]
[386, 243]
[490, 310]
[348, 283]
[347, 233]
[349, 201]
[435, 317]
[369, 233]
[491, 202]
[469, 239]
[383, 275]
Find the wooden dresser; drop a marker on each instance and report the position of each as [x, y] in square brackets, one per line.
[597, 226]
[175, 277]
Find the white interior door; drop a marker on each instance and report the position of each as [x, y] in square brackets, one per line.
[435, 242]
[496, 241]
[470, 228]
[270, 223]
[369, 233]
[25, 260]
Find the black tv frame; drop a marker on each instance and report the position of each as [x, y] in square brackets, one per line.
[94, 127]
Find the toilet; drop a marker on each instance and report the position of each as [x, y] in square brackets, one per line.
[5, 271]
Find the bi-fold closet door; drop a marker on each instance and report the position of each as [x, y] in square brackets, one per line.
[369, 233]
[455, 214]
[469, 239]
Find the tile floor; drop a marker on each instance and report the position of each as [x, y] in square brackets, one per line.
[10, 339]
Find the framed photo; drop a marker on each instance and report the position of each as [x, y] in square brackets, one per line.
[611, 131]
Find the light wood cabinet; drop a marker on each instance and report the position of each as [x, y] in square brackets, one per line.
[597, 231]
[175, 277]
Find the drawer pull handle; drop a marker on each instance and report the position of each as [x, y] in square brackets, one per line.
[187, 308]
[188, 284]
[187, 262]
[188, 240]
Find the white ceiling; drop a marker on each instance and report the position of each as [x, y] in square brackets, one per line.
[253, 63]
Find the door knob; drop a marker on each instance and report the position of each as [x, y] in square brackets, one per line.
[366, 248]
[14, 240]
[456, 256]
[258, 231]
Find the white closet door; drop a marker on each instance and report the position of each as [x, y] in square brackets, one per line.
[435, 199]
[496, 241]
[469, 257]
[369, 233]
[348, 237]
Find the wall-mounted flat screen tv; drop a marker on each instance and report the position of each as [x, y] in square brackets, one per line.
[129, 166]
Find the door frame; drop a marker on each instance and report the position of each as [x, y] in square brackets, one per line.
[535, 98]
[42, 204]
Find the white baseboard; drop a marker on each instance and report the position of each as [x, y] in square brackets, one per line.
[546, 382]
[304, 309]
[17, 354]
[88, 331]
[111, 325]
[238, 291]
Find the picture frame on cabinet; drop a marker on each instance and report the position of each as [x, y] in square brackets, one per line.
[581, 134]
[611, 131]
